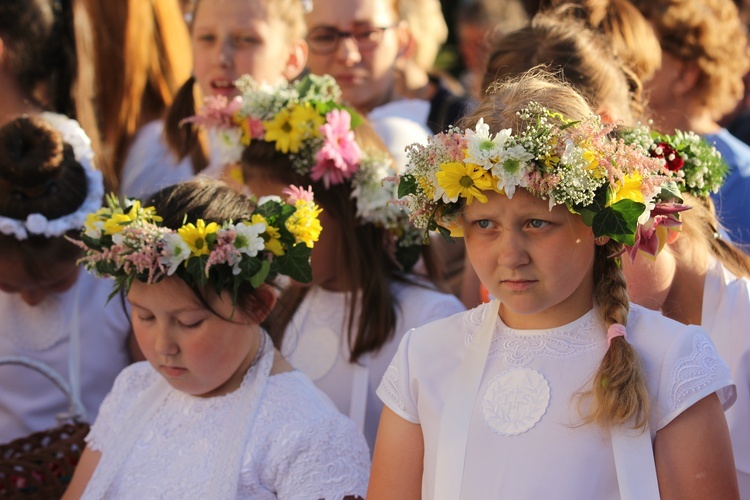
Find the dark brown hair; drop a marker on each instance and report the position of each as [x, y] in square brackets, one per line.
[212, 201]
[38, 174]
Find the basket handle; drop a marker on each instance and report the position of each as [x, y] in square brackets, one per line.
[76, 409]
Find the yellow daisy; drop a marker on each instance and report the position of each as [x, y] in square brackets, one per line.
[629, 188]
[464, 180]
[306, 120]
[272, 236]
[304, 223]
[194, 236]
[283, 131]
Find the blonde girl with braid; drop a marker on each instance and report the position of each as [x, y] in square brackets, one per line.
[558, 388]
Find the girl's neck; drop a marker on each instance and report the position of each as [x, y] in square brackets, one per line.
[699, 120]
[13, 102]
[684, 302]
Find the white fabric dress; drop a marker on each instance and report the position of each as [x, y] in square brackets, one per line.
[29, 402]
[290, 442]
[524, 441]
[316, 343]
[726, 318]
[149, 165]
[400, 123]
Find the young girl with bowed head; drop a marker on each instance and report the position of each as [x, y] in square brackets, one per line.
[230, 38]
[558, 388]
[343, 327]
[50, 312]
[215, 409]
[700, 278]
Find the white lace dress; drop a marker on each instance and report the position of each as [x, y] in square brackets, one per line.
[524, 441]
[297, 446]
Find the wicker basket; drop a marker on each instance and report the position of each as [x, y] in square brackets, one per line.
[41, 465]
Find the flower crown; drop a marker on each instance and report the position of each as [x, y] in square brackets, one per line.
[125, 242]
[307, 121]
[37, 224]
[613, 185]
[695, 165]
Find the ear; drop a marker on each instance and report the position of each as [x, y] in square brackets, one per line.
[687, 78]
[406, 43]
[297, 60]
[606, 116]
[265, 297]
[672, 236]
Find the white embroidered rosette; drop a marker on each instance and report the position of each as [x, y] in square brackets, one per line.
[38, 224]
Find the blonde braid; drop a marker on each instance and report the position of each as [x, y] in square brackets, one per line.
[619, 390]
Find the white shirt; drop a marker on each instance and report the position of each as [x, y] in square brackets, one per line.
[149, 165]
[316, 342]
[29, 401]
[524, 439]
[726, 318]
[400, 123]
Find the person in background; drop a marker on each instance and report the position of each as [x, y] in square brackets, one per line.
[704, 58]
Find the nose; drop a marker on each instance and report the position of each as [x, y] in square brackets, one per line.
[512, 252]
[347, 51]
[164, 343]
[226, 52]
[34, 297]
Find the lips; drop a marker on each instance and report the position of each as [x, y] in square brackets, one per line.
[222, 86]
[173, 371]
[518, 285]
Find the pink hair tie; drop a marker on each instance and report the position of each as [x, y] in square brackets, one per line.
[615, 330]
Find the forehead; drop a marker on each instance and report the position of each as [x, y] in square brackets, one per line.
[237, 11]
[347, 13]
[522, 203]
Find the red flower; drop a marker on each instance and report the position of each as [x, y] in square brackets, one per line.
[673, 160]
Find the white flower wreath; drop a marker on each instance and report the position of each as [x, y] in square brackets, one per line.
[38, 224]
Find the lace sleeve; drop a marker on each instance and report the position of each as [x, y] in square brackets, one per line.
[129, 382]
[328, 461]
[692, 370]
[394, 388]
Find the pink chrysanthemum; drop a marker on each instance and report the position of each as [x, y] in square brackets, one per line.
[295, 193]
[340, 155]
[217, 112]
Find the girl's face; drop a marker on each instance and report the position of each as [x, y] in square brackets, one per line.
[59, 277]
[236, 37]
[196, 351]
[538, 262]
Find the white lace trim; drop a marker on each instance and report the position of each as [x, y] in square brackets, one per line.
[694, 372]
[558, 343]
[390, 386]
[38, 224]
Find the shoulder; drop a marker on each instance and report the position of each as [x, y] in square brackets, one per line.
[405, 116]
[420, 302]
[135, 378]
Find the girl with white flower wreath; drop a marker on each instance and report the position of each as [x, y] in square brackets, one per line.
[343, 327]
[700, 278]
[215, 411]
[50, 312]
[558, 388]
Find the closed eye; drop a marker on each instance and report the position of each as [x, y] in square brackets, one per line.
[194, 324]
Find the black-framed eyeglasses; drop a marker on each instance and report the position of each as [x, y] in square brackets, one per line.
[326, 40]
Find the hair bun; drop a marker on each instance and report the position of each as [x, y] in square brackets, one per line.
[31, 152]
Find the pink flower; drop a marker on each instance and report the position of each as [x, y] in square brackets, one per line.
[339, 157]
[651, 236]
[295, 193]
[216, 112]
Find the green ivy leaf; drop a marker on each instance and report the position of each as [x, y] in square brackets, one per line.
[295, 263]
[407, 185]
[260, 277]
[619, 221]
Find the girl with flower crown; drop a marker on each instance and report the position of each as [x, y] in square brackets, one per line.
[216, 410]
[230, 38]
[700, 278]
[343, 327]
[50, 312]
[559, 388]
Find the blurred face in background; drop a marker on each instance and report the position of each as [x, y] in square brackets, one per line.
[358, 42]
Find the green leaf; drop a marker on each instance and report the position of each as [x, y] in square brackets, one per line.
[260, 277]
[619, 221]
[408, 256]
[295, 263]
[407, 185]
[446, 234]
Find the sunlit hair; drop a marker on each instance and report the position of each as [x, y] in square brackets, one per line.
[577, 55]
[427, 26]
[142, 57]
[366, 250]
[708, 32]
[628, 32]
[701, 231]
[184, 139]
[619, 392]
